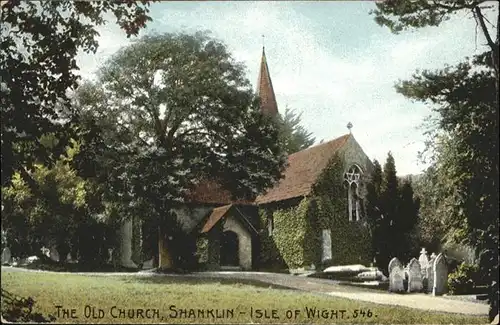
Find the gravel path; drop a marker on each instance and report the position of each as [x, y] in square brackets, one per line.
[324, 287]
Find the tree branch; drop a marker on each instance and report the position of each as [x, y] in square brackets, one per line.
[480, 18]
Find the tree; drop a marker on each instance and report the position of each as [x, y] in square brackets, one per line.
[400, 15]
[40, 41]
[175, 109]
[406, 222]
[392, 214]
[293, 136]
[466, 97]
[376, 223]
[467, 159]
[434, 204]
[69, 215]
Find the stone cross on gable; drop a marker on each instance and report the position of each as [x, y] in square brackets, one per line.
[423, 251]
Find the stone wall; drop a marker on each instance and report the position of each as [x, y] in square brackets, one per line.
[354, 154]
[244, 241]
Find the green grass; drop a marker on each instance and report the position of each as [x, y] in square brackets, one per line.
[74, 291]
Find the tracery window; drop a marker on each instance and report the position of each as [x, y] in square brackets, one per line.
[352, 180]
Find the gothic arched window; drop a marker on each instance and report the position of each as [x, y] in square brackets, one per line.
[352, 179]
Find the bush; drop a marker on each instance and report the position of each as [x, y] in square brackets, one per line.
[17, 309]
[464, 279]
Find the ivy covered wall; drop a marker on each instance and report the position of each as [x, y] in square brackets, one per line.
[296, 238]
[351, 243]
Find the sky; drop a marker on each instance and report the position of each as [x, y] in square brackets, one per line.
[328, 61]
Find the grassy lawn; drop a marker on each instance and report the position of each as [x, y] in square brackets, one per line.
[108, 299]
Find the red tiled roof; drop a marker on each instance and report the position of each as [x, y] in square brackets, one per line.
[215, 216]
[303, 169]
[265, 91]
[211, 192]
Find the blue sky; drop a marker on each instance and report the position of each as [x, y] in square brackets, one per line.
[328, 60]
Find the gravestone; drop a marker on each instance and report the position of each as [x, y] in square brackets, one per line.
[440, 274]
[396, 276]
[45, 251]
[414, 276]
[110, 255]
[373, 275]
[394, 262]
[54, 254]
[148, 264]
[31, 259]
[6, 256]
[424, 261]
[429, 275]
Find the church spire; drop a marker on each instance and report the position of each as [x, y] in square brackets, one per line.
[265, 91]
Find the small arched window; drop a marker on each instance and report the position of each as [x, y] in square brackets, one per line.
[352, 178]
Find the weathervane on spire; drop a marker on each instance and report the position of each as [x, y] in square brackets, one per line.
[349, 126]
[263, 44]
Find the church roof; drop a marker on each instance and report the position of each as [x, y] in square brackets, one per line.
[221, 212]
[215, 216]
[265, 90]
[211, 192]
[303, 170]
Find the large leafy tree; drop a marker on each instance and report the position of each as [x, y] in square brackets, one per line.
[68, 216]
[175, 109]
[465, 98]
[293, 136]
[40, 41]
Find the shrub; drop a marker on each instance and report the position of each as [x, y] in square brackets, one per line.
[17, 309]
[464, 279]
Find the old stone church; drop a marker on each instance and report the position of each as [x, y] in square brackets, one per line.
[313, 216]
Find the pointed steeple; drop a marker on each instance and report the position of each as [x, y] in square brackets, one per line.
[265, 91]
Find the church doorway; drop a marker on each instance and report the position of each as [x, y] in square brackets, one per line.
[229, 250]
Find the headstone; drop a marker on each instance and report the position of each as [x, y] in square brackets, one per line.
[32, 259]
[355, 268]
[414, 276]
[424, 261]
[54, 254]
[110, 255]
[396, 276]
[429, 275]
[6, 256]
[394, 262]
[373, 275]
[45, 251]
[440, 273]
[148, 264]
